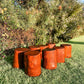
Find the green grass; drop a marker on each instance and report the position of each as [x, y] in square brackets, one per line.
[70, 72]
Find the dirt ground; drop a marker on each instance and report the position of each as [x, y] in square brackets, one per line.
[15, 37]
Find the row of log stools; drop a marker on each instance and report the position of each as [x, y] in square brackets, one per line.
[30, 58]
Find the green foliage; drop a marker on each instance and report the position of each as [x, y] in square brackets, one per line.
[52, 21]
[60, 24]
[29, 3]
[16, 16]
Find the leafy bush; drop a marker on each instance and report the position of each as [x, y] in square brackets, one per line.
[60, 20]
[52, 21]
[16, 16]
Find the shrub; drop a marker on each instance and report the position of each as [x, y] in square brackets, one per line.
[59, 20]
[52, 21]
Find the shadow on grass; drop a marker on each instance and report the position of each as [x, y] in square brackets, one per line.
[10, 57]
[42, 63]
[73, 42]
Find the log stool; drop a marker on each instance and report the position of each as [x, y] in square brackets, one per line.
[34, 47]
[33, 67]
[39, 47]
[19, 57]
[68, 49]
[60, 53]
[51, 45]
[49, 59]
[42, 47]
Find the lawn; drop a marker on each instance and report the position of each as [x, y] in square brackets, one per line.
[70, 72]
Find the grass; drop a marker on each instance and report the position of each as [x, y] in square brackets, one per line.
[70, 72]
